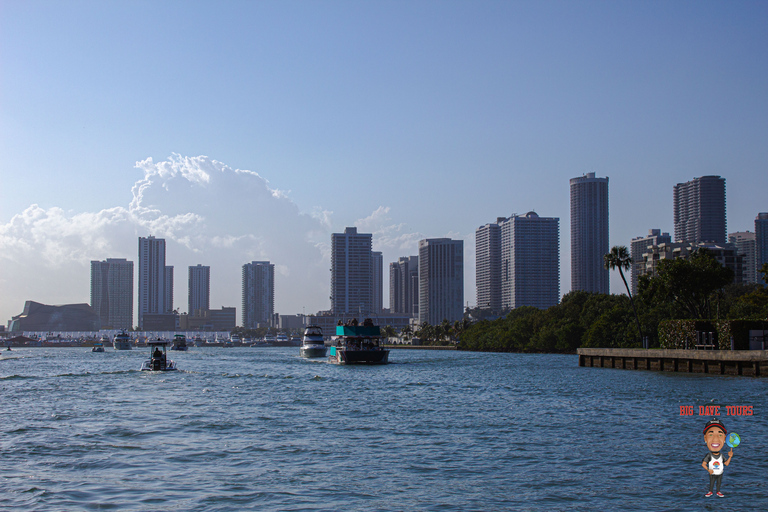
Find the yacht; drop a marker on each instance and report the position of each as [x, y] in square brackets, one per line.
[122, 341]
[313, 344]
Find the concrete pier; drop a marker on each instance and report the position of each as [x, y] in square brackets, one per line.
[719, 362]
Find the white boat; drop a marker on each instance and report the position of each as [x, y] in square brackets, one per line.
[179, 342]
[282, 340]
[313, 344]
[158, 360]
[122, 341]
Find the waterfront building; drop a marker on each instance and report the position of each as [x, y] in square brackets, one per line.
[441, 280]
[761, 242]
[351, 273]
[589, 233]
[209, 320]
[112, 292]
[530, 261]
[152, 281]
[404, 286]
[488, 265]
[258, 294]
[746, 245]
[638, 247]
[699, 210]
[377, 264]
[725, 254]
[199, 289]
[45, 318]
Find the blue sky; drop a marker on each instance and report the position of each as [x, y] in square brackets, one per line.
[407, 119]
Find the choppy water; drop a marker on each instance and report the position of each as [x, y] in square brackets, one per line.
[262, 429]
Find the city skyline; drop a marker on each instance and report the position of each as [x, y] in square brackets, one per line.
[407, 121]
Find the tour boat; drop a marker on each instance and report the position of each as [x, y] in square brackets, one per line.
[179, 342]
[358, 344]
[313, 344]
[122, 341]
[158, 359]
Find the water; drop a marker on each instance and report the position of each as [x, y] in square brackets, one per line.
[262, 429]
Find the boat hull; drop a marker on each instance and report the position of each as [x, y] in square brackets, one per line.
[310, 352]
[342, 356]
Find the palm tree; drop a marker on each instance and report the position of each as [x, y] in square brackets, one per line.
[619, 258]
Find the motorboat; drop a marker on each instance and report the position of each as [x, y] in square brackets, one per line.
[158, 358]
[282, 340]
[313, 344]
[179, 342]
[358, 344]
[122, 341]
[98, 347]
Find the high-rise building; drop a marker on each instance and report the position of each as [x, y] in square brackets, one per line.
[199, 289]
[168, 289]
[699, 209]
[112, 292]
[351, 273]
[589, 233]
[258, 294]
[530, 261]
[441, 280]
[761, 243]
[404, 286]
[152, 280]
[377, 264]
[639, 246]
[745, 244]
[488, 265]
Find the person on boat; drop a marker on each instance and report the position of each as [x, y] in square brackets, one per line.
[157, 354]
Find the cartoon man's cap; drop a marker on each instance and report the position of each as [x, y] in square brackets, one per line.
[714, 422]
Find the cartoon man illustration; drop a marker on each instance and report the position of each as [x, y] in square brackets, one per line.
[714, 437]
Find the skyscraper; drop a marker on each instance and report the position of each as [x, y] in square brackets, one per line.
[168, 289]
[699, 210]
[404, 286]
[199, 289]
[488, 265]
[112, 292]
[441, 280]
[530, 261]
[638, 247]
[258, 294]
[152, 280]
[351, 273]
[761, 243]
[377, 264]
[589, 233]
[745, 245]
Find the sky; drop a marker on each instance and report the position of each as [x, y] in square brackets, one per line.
[245, 131]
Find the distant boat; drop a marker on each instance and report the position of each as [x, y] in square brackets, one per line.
[313, 344]
[179, 342]
[122, 341]
[358, 344]
[98, 347]
[282, 340]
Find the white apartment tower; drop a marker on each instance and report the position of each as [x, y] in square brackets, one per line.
[258, 294]
[530, 261]
[199, 289]
[152, 280]
[441, 280]
[351, 273]
[589, 233]
[112, 292]
[488, 265]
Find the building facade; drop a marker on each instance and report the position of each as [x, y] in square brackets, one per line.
[638, 247]
[699, 210]
[199, 289]
[589, 233]
[530, 261]
[746, 245]
[488, 265]
[441, 280]
[152, 280]
[169, 289]
[258, 294]
[761, 244]
[377, 264]
[351, 273]
[725, 254]
[112, 292]
[404, 286]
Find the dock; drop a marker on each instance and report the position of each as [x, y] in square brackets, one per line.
[719, 362]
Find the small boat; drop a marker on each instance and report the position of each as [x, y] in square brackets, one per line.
[122, 341]
[296, 340]
[158, 359]
[179, 342]
[313, 344]
[98, 347]
[358, 344]
[269, 340]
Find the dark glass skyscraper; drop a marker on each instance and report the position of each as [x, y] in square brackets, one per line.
[589, 233]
